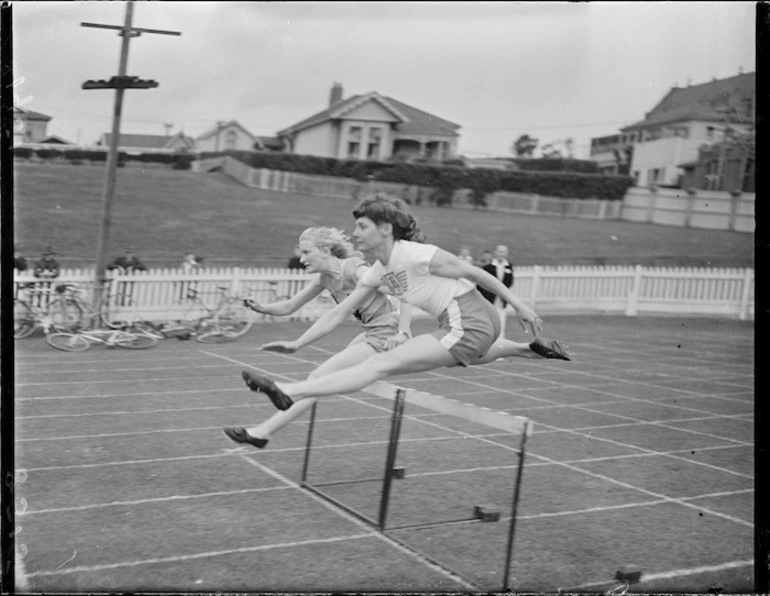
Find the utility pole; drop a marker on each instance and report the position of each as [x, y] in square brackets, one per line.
[120, 83]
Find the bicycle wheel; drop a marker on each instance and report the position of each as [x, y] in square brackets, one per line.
[120, 311]
[234, 320]
[187, 314]
[69, 342]
[135, 341]
[145, 328]
[65, 315]
[23, 319]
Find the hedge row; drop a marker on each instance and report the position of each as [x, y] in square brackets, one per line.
[558, 164]
[445, 179]
[177, 161]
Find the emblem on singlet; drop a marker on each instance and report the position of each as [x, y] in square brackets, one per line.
[396, 282]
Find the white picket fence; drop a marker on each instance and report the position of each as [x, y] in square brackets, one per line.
[726, 292]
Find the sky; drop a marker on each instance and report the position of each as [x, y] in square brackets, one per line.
[552, 70]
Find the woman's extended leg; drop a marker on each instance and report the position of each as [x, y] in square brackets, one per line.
[350, 356]
[538, 348]
[420, 353]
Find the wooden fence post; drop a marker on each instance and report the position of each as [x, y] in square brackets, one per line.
[748, 280]
[632, 307]
[535, 284]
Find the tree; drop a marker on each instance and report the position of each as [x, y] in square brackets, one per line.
[524, 146]
[550, 151]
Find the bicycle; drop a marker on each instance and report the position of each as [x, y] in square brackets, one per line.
[82, 340]
[115, 310]
[226, 321]
[61, 313]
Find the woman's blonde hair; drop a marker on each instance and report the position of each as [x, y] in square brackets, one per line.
[335, 240]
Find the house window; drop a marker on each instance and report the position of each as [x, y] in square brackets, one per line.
[354, 141]
[373, 146]
[710, 132]
[230, 139]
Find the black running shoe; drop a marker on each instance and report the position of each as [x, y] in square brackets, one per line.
[550, 348]
[239, 435]
[259, 383]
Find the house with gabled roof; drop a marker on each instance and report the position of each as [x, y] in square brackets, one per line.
[138, 143]
[673, 132]
[29, 126]
[228, 136]
[372, 127]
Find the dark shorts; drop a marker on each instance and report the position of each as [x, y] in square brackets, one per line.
[468, 327]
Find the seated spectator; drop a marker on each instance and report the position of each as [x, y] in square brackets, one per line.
[128, 263]
[19, 262]
[46, 269]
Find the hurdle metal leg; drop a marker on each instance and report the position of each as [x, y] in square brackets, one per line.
[390, 462]
[395, 430]
[306, 462]
[515, 507]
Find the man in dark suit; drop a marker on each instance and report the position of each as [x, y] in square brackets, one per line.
[502, 269]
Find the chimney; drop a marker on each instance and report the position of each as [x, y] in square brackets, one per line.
[336, 94]
[740, 70]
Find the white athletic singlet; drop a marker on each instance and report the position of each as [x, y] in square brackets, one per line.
[407, 276]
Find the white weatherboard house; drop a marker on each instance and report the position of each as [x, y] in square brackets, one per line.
[684, 120]
[371, 127]
[228, 136]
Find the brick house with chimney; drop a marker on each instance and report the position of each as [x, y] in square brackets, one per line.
[371, 127]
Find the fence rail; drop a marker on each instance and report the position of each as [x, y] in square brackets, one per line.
[629, 290]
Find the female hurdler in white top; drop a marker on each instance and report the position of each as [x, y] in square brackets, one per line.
[328, 253]
[424, 276]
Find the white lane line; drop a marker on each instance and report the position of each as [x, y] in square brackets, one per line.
[192, 557]
[146, 501]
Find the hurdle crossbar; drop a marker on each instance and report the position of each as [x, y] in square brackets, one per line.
[496, 419]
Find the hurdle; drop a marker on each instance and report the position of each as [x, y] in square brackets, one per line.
[500, 420]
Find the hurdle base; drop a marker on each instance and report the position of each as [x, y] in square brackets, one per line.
[630, 574]
[486, 513]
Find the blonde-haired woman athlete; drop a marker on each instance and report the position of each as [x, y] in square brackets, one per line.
[424, 276]
[329, 253]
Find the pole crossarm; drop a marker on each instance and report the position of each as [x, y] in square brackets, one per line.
[131, 30]
[121, 82]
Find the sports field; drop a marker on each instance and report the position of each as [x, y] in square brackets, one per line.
[642, 455]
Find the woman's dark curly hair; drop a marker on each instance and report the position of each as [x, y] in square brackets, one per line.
[384, 208]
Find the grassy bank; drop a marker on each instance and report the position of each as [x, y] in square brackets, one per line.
[164, 213]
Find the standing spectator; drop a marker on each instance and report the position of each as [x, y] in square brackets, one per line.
[19, 262]
[486, 258]
[502, 269]
[294, 262]
[190, 264]
[126, 265]
[465, 254]
[46, 269]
